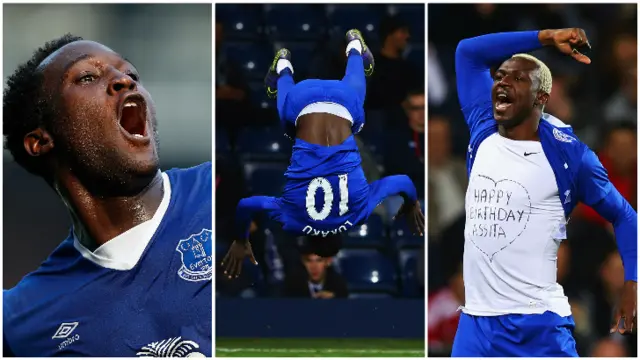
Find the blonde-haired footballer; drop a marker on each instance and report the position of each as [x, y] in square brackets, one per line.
[527, 172]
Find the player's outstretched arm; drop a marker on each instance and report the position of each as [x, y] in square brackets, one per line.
[403, 186]
[598, 192]
[624, 219]
[241, 247]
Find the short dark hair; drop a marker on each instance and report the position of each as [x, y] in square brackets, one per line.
[322, 246]
[415, 91]
[25, 106]
[390, 24]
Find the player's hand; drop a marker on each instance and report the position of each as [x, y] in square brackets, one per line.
[414, 215]
[232, 262]
[626, 309]
[567, 41]
[324, 295]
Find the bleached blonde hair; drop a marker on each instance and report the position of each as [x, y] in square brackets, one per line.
[542, 72]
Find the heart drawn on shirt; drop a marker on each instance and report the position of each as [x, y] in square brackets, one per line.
[497, 213]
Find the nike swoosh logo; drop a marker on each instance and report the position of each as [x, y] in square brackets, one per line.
[527, 154]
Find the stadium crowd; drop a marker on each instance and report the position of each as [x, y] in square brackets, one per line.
[598, 100]
[379, 258]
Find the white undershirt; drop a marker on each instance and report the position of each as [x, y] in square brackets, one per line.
[327, 108]
[514, 225]
[124, 251]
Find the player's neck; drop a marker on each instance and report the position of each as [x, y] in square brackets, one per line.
[525, 131]
[98, 219]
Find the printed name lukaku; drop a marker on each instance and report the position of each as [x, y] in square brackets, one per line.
[311, 231]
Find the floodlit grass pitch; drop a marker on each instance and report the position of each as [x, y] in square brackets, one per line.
[319, 347]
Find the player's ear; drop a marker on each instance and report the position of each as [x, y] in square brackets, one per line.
[542, 98]
[38, 142]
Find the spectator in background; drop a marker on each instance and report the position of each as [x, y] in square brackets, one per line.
[447, 183]
[319, 281]
[404, 153]
[621, 55]
[619, 158]
[394, 76]
[606, 294]
[444, 315]
[562, 106]
[624, 102]
[233, 106]
[578, 299]
[608, 291]
[608, 347]
[229, 189]
[438, 85]
[574, 109]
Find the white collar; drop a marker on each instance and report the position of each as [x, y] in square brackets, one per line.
[124, 251]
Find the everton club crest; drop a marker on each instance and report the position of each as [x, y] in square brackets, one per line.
[197, 261]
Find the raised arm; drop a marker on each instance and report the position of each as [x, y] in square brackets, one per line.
[474, 58]
[391, 186]
[403, 186]
[246, 210]
[241, 248]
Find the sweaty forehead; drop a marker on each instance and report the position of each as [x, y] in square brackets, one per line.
[59, 61]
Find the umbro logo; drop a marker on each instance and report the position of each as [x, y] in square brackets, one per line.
[65, 331]
[530, 153]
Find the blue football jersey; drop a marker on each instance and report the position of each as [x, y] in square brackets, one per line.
[161, 307]
[313, 91]
[326, 191]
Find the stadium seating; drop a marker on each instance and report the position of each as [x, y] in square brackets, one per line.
[223, 147]
[295, 22]
[369, 296]
[370, 234]
[365, 18]
[402, 237]
[221, 250]
[263, 143]
[302, 55]
[258, 95]
[265, 178]
[367, 271]
[254, 58]
[241, 22]
[408, 260]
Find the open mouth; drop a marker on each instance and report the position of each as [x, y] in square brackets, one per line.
[502, 101]
[133, 116]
